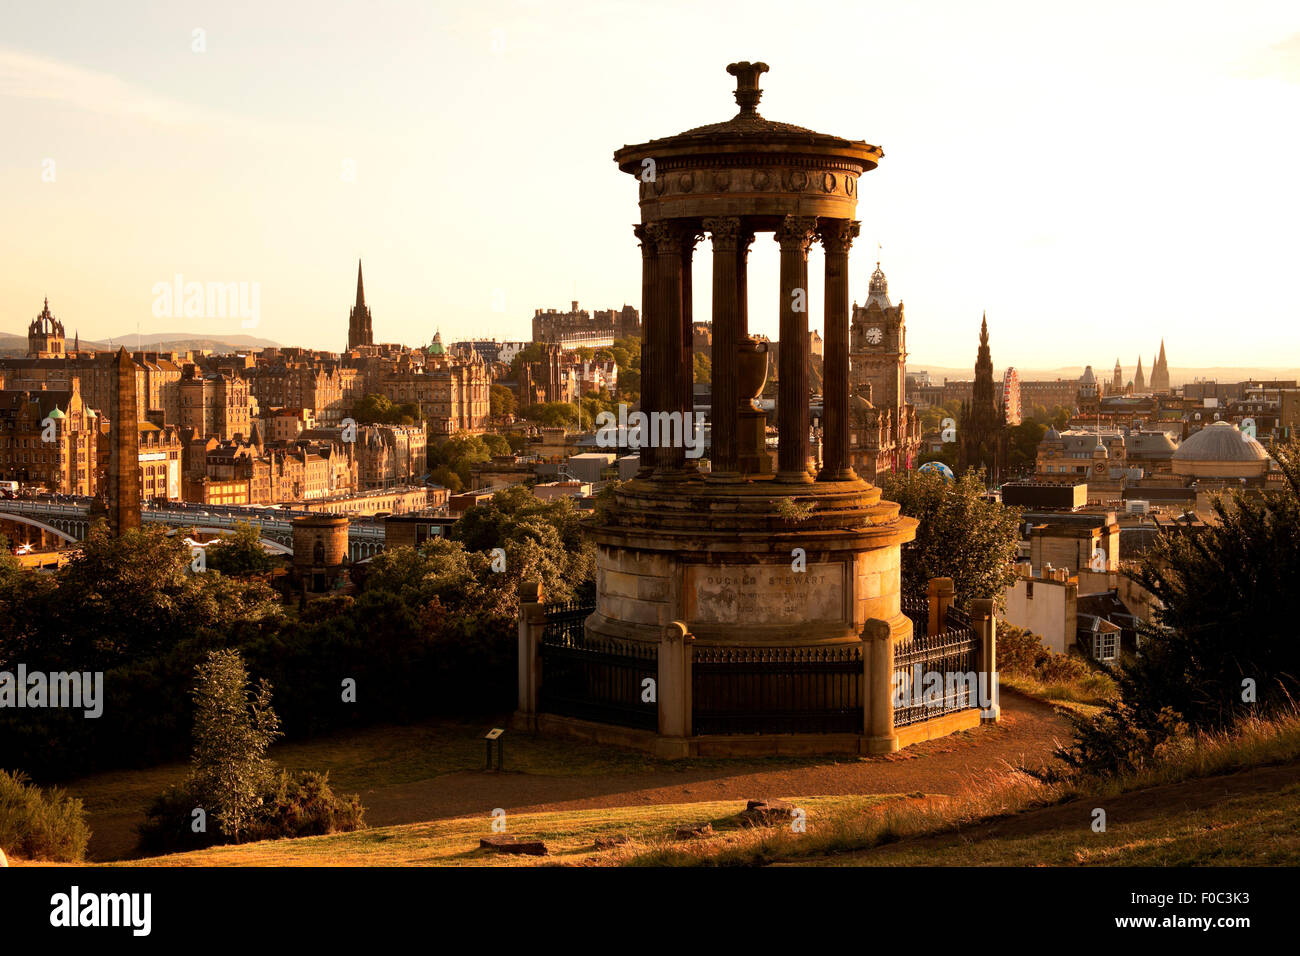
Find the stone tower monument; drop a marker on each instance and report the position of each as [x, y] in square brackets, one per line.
[124, 460]
[748, 561]
[982, 432]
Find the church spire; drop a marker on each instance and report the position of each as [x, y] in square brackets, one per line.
[359, 330]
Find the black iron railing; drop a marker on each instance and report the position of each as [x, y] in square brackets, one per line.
[918, 609]
[596, 678]
[783, 690]
[936, 674]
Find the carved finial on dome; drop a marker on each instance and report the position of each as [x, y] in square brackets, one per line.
[747, 92]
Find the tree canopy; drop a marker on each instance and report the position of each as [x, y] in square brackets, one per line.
[962, 535]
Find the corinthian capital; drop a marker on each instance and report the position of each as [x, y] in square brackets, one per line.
[667, 237]
[795, 234]
[837, 235]
[725, 232]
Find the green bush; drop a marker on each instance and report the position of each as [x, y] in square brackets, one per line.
[303, 804]
[295, 804]
[1022, 652]
[40, 825]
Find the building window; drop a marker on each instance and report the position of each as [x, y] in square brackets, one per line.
[1104, 646]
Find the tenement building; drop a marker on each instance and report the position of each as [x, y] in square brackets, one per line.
[49, 438]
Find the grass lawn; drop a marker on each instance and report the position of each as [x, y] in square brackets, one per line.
[569, 837]
[383, 756]
[1253, 830]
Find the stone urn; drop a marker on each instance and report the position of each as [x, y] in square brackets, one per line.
[751, 370]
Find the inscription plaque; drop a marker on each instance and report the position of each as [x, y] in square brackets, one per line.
[765, 594]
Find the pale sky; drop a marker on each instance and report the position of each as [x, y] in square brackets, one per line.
[1094, 176]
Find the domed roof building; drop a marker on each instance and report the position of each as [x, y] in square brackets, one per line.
[1220, 450]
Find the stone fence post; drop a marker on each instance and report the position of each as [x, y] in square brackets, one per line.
[878, 686]
[940, 594]
[985, 625]
[532, 621]
[674, 690]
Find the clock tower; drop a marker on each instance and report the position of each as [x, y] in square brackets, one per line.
[886, 433]
[878, 346]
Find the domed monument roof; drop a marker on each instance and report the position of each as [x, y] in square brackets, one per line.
[747, 124]
[1220, 450]
[1221, 441]
[749, 166]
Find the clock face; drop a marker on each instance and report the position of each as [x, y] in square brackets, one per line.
[875, 336]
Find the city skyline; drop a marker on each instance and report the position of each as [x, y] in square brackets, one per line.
[475, 204]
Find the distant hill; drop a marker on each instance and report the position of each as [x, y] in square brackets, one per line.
[1177, 375]
[16, 345]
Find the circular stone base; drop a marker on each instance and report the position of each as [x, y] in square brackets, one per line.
[754, 564]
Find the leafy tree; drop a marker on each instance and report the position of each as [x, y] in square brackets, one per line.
[530, 353]
[552, 414]
[126, 598]
[703, 368]
[593, 403]
[1022, 445]
[376, 409]
[497, 445]
[949, 455]
[543, 540]
[443, 475]
[240, 552]
[932, 417]
[1222, 644]
[459, 453]
[501, 401]
[962, 534]
[627, 358]
[233, 727]
[372, 409]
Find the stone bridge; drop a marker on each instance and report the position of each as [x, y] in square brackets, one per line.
[70, 522]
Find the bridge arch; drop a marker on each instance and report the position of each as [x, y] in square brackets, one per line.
[23, 519]
[275, 547]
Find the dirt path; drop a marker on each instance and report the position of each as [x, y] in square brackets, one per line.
[1026, 734]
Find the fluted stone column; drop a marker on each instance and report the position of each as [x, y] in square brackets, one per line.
[650, 339]
[744, 241]
[686, 364]
[836, 236]
[668, 240]
[727, 253]
[794, 236]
